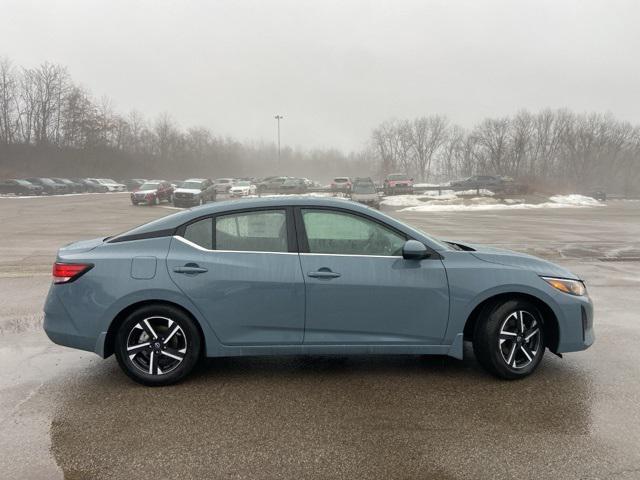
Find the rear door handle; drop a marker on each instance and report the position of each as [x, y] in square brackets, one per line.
[190, 269]
[323, 273]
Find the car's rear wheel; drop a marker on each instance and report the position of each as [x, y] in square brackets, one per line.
[158, 345]
[508, 339]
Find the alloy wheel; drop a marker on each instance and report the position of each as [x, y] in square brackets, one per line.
[156, 345]
[519, 339]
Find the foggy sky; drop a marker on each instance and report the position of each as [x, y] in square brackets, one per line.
[335, 69]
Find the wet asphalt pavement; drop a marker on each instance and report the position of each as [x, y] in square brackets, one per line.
[69, 414]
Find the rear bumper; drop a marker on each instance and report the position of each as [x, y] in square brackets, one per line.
[60, 328]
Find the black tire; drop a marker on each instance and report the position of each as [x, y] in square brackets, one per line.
[500, 343]
[184, 342]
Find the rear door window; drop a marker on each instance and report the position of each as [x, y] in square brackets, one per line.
[260, 231]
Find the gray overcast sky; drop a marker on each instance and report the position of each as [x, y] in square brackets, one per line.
[335, 69]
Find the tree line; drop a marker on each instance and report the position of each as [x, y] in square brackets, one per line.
[50, 125]
[550, 149]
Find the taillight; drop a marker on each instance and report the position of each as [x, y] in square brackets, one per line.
[68, 272]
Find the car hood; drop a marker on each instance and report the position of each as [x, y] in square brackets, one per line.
[516, 259]
[193, 191]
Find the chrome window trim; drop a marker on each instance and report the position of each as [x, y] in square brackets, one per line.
[350, 255]
[198, 247]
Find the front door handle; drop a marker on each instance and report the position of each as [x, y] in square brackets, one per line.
[190, 269]
[323, 273]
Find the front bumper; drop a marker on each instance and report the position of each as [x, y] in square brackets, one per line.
[576, 331]
[185, 201]
[401, 188]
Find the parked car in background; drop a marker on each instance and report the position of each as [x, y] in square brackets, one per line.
[74, 187]
[243, 188]
[598, 193]
[194, 191]
[19, 187]
[397, 183]
[271, 184]
[112, 185]
[478, 181]
[176, 183]
[341, 184]
[293, 185]
[50, 186]
[91, 186]
[364, 191]
[134, 184]
[312, 276]
[223, 185]
[153, 192]
[495, 183]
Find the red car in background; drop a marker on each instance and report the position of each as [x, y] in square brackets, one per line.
[153, 192]
[397, 183]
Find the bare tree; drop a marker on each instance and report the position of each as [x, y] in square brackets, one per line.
[428, 135]
[8, 102]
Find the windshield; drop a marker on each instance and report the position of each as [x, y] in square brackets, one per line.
[223, 180]
[22, 182]
[341, 180]
[149, 186]
[364, 188]
[106, 180]
[243, 184]
[196, 185]
[398, 176]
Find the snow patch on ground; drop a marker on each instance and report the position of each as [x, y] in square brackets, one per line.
[451, 201]
[576, 200]
[22, 197]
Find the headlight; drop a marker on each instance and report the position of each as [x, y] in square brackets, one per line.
[572, 287]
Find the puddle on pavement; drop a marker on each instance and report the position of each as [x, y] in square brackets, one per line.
[319, 417]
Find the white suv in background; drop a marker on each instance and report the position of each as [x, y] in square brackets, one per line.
[223, 185]
[111, 185]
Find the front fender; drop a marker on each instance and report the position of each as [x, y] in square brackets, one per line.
[472, 281]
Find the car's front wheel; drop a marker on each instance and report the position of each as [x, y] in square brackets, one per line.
[158, 345]
[508, 339]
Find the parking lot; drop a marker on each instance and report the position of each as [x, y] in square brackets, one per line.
[69, 414]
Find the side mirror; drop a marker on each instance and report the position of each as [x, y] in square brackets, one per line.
[414, 250]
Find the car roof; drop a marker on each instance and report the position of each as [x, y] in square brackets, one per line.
[195, 180]
[171, 222]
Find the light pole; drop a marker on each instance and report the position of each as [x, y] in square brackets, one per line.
[278, 118]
